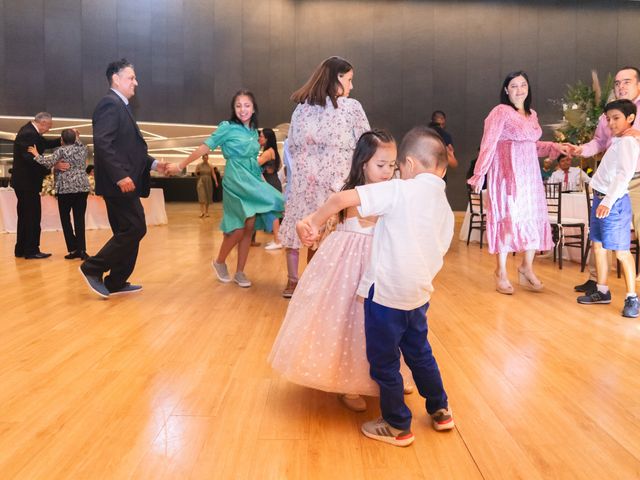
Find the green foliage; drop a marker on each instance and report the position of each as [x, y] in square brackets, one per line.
[581, 111]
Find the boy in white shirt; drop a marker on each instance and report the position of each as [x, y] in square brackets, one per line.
[411, 237]
[610, 223]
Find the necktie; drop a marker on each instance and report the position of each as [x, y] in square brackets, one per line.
[566, 181]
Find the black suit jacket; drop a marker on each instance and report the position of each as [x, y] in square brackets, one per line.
[26, 173]
[119, 148]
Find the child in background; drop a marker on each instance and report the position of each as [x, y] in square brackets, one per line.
[321, 341]
[410, 239]
[611, 211]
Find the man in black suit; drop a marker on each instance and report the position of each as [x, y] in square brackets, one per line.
[122, 167]
[26, 179]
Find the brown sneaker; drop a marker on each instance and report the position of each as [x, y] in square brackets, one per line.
[289, 289]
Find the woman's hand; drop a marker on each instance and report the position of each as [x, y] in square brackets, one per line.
[33, 150]
[307, 232]
[476, 182]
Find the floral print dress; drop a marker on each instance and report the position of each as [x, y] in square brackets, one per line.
[321, 143]
[517, 218]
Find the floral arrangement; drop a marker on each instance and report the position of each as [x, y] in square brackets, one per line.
[48, 186]
[582, 106]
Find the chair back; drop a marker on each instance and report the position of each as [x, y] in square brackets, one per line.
[553, 193]
[475, 202]
[587, 192]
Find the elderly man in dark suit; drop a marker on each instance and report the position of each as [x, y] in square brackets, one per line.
[26, 179]
[122, 167]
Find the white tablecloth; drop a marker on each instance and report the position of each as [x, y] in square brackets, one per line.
[574, 205]
[95, 218]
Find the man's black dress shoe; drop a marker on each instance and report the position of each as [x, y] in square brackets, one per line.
[77, 254]
[37, 256]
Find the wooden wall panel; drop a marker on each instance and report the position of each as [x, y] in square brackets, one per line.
[410, 56]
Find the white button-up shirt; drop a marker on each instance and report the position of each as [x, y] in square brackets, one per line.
[575, 176]
[616, 169]
[410, 239]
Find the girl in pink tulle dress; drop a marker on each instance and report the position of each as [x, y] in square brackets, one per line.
[321, 342]
[517, 218]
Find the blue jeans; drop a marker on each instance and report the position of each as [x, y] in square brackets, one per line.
[389, 331]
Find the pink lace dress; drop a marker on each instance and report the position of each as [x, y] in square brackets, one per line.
[321, 143]
[517, 218]
[321, 343]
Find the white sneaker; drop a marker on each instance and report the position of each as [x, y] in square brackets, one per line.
[273, 246]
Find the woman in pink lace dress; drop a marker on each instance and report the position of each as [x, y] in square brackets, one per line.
[325, 127]
[517, 218]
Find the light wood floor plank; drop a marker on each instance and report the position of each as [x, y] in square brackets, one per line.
[173, 382]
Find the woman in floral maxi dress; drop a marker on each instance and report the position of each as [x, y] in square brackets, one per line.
[325, 127]
[517, 218]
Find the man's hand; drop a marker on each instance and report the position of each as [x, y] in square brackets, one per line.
[161, 168]
[126, 185]
[172, 169]
[632, 132]
[307, 232]
[61, 166]
[572, 150]
[602, 211]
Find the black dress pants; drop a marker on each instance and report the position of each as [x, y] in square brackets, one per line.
[28, 228]
[118, 256]
[73, 236]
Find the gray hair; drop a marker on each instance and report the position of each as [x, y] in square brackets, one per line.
[43, 117]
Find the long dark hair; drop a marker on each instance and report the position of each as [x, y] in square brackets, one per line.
[270, 137]
[504, 97]
[253, 121]
[366, 148]
[323, 83]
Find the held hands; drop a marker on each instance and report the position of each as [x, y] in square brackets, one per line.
[126, 185]
[307, 232]
[161, 168]
[172, 169]
[602, 211]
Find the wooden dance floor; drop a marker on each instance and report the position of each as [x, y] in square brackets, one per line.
[173, 383]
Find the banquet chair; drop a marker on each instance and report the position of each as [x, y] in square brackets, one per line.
[561, 238]
[477, 215]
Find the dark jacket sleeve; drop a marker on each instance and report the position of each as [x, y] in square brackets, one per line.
[105, 132]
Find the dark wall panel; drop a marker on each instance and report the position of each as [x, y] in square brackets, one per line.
[25, 88]
[410, 56]
[99, 47]
[63, 56]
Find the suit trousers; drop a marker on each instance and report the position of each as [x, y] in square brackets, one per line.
[28, 228]
[118, 256]
[73, 235]
[389, 331]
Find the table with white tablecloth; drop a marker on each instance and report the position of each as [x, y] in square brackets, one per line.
[574, 205]
[95, 218]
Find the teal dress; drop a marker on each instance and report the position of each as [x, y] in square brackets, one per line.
[245, 193]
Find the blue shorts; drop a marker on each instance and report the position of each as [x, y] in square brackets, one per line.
[613, 231]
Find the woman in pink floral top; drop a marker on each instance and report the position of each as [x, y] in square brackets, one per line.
[517, 218]
[325, 127]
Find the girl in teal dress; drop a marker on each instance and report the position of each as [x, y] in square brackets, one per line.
[248, 202]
